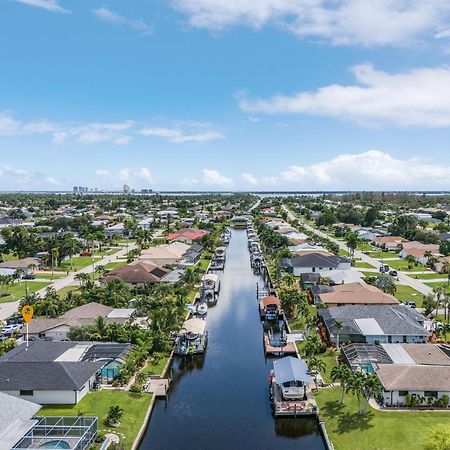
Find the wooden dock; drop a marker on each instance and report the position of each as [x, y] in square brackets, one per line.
[288, 349]
[159, 387]
[282, 407]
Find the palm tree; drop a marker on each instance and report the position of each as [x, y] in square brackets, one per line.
[82, 278]
[55, 254]
[356, 385]
[312, 345]
[372, 388]
[316, 365]
[115, 413]
[100, 329]
[342, 374]
[352, 241]
[339, 327]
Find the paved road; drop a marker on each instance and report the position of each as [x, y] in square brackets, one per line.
[402, 277]
[7, 309]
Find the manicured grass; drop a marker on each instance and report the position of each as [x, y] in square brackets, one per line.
[62, 292]
[78, 262]
[156, 368]
[343, 252]
[435, 285]
[17, 290]
[407, 293]
[430, 276]
[115, 265]
[371, 274]
[402, 265]
[98, 403]
[48, 276]
[205, 260]
[365, 247]
[383, 254]
[378, 430]
[363, 265]
[329, 358]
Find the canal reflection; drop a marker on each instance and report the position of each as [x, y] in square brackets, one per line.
[221, 400]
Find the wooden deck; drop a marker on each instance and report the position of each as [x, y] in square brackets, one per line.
[288, 349]
[294, 408]
[159, 387]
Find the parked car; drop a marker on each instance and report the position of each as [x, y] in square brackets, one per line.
[410, 304]
[14, 320]
[29, 276]
[86, 254]
[393, 273]
[384, 268]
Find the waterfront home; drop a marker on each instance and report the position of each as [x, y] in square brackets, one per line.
[192, 337]
[374, 324]
[165, 254]
[308, 280]
[48, 373]
[138, 274]
[314, 262]
[192, 255]
[58, 328]
[270, 308]
[290, 387]
[188, 236]
[425, 382]
[356, 294]
[336, 277]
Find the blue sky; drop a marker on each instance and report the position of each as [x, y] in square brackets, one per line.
[224, 94]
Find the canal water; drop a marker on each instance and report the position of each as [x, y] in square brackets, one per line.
[220, 400]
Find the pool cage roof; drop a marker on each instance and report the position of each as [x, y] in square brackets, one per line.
[359, 354]
[71, 433]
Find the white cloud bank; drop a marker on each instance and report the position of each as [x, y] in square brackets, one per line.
[118, 133]
[49, 5]
[136, 177]
[341, 22]
[23, 179]
[110, 16]
[370, 170]
[420, 97]
[212, 177]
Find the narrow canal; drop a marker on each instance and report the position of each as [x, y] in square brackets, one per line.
[220, 400]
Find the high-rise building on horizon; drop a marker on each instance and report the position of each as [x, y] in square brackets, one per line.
[126, 189]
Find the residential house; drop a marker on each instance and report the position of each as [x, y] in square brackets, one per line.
[58, 328]
[165, 254]
[314, 262]
[25, 265]
[117, 229]
[389, 242]
[418, 251]
[188, 236]
[374, 324]
[356, 294]
[138, 274]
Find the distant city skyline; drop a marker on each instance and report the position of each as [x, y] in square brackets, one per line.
[201, 95]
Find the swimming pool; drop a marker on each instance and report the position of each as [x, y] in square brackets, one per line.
[55, 445]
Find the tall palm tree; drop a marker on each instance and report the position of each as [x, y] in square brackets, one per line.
[352, 242]
[372, 388]
[356, 386]
[342, 374]
[339, 327]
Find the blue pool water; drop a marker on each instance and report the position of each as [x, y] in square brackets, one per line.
[56, 445]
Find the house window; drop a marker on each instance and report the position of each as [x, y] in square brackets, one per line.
[402, 393]
[430, 394]
[26, 392]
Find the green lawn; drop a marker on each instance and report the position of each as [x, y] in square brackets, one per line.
[371, 274]
[430, 276]
[156, 368]
[329, 358]
[406, 293]
[205, 260]
[343, 252]
[17, 290]
[365, 247]
[378, 430]
[97, 404]
[435, 285]
[363, 265]
[62, 292]
[115, 265]
[402, 265]
[48, 276]
[79, 262]
[383, 254]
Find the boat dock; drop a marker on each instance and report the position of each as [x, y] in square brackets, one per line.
[288, 349]
[281, 407]
[159, 387]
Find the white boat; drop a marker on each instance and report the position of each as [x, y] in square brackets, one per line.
[202, 309]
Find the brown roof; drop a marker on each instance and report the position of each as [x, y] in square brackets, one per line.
[427, 354]
[138, 273]
[88, 311]
[389, 239]
[20, 263]
[396, 377]
[269, 300]
[357, 293]
[42, 324]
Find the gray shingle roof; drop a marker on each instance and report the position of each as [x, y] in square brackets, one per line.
[393, 319]
[313, 260]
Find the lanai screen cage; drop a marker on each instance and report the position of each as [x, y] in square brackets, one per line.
[71, 433]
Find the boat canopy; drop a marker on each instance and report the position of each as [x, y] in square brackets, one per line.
[290, 369]
[211, 277]
[269, 300]
[194, 326]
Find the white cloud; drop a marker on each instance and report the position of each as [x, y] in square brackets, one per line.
[102, 172]
[49, 5]
[13, 178]
[342, 22]
[179, 136]
[250, 179]
[124, 174]
[372, 169]
[420, 97]
[145, 175]
[212, 177]
[118, 133]
[107, 15]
